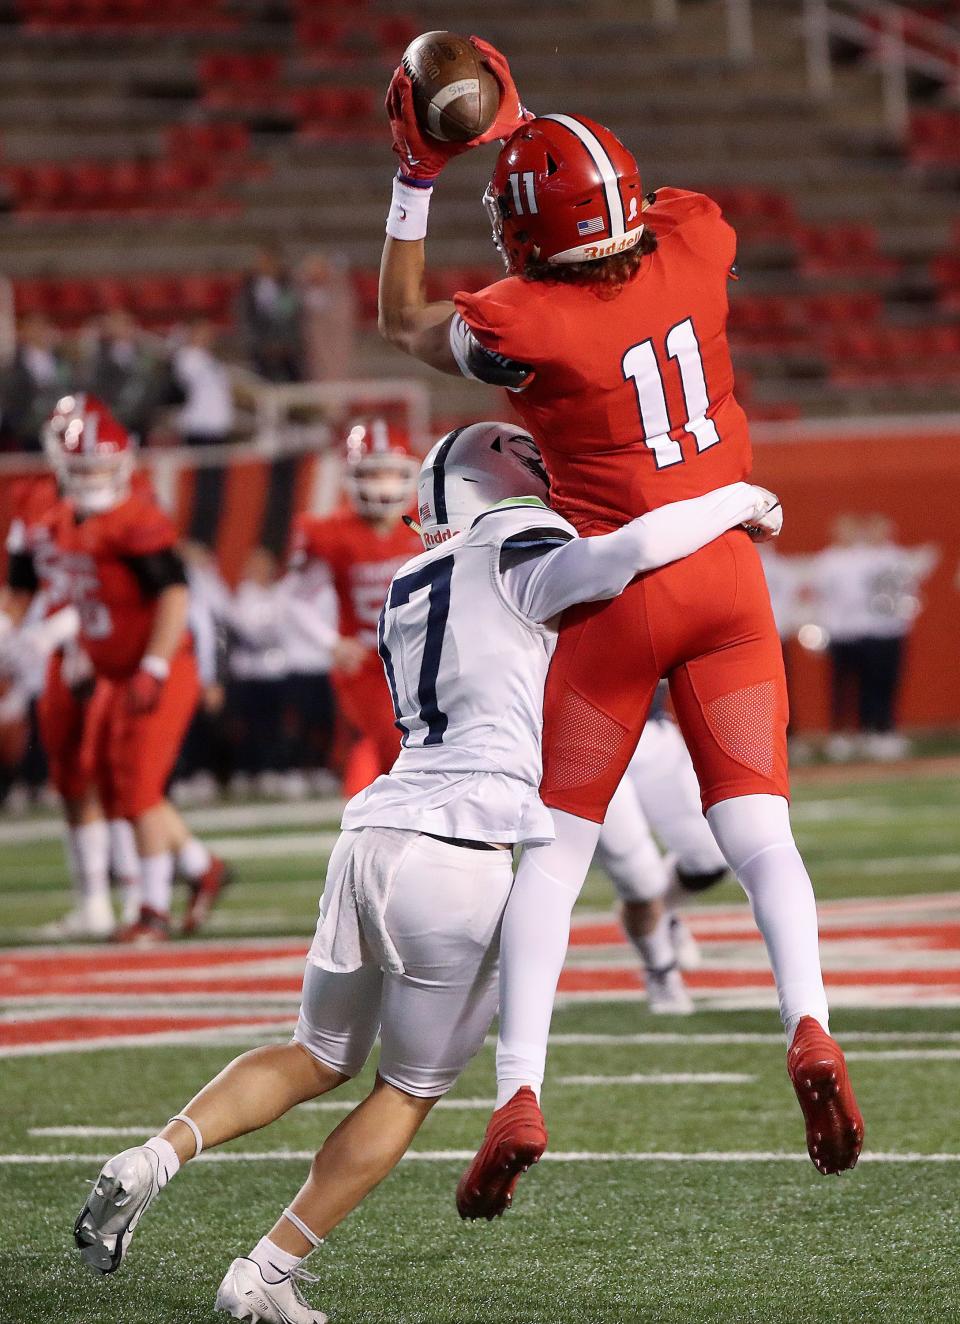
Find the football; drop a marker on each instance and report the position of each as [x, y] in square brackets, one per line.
[456, 97]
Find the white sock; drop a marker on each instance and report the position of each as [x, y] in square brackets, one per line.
[169, 1164]
[193, 858]
[91, 847]
[124, 858]
[74, 865]
[156, 881]
[273, 1261]
[753, 831]
[533, 944]
[655, 948]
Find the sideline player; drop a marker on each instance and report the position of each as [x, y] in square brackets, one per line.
[361, 549]
[109, 550]
[407, 938]
[610, 328]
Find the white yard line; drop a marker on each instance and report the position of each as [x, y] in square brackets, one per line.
[663, 1078]
[906, 1055]
[218, 818]
[465, 1155]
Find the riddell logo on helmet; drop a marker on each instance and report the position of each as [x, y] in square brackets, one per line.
[592, 251]
[435, 539]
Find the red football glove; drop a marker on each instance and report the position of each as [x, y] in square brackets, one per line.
[143, 692]
[512, 112]
[422, 156]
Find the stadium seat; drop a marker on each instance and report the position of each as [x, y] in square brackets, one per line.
[849, 247]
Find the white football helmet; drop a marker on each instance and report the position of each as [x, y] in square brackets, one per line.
[471, 469]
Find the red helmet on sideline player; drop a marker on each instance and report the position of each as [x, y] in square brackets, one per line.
[90, 452]
[381, 473]
[564, 189]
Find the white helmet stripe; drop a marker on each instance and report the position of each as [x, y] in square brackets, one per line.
[605, 166]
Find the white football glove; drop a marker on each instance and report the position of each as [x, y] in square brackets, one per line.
[767, 519]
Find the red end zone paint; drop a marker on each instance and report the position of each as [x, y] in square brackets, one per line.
[181, 977]
[70, 1029]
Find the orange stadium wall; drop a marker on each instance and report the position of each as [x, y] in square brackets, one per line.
[913, 476]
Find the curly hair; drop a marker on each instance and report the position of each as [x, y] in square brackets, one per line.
[606, 275]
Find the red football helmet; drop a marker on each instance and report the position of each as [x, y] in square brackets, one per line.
[564, 189]
[381, 473]
[90, 452]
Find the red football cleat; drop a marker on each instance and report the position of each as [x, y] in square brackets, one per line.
[204, 894]
[149, 928]
[818, 1070]
[516, 1137]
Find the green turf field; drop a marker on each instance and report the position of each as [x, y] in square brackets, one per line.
[733, 1224]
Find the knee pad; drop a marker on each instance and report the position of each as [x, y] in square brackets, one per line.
[701, 882]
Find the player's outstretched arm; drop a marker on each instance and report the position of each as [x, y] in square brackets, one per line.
[592, 569]
[406, 319]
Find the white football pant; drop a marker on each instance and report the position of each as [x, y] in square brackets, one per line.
[443, 916]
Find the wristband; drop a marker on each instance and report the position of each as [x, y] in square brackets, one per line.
[157, 667]
[409, 208]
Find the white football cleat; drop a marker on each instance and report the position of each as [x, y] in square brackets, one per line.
[119, 1199]
[667, 994]
[88, 919]
[686, 949]
[246, 1294]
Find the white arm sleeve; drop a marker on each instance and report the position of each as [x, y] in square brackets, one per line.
[591, 569]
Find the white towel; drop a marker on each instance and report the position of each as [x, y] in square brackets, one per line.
[352, 929]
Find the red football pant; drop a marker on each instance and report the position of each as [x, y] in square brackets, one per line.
[364, 701]
[141, 748]
[706, 624]
[71, 725]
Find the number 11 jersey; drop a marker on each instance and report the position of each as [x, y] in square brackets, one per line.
[630, 393]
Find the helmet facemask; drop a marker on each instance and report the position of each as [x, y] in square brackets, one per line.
[381, 487]
[96, 483]
[91, 455]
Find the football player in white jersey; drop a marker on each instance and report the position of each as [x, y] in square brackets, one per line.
[406, 943]
[660, 795]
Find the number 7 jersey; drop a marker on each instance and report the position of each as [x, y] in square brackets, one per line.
[466, 671]
[630, 392]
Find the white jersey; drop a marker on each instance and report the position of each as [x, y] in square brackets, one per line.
[466, 670]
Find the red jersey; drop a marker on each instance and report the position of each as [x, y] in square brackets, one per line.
[631, 396]
[91, 564]
[362, 562]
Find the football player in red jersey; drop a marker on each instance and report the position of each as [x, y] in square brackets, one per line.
[610, 329]
[361, 549]
[109, 550]
[70, 709]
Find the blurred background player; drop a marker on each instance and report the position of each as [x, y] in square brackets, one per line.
[71, 704]
[362, 548]
[660, 795]
[867, 595]
[105, 546]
